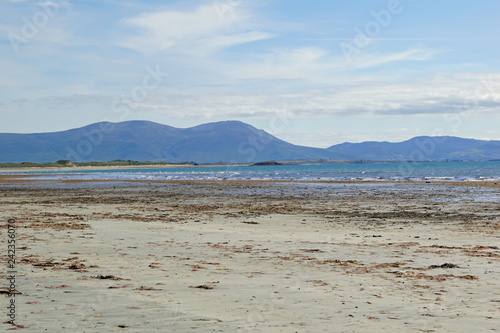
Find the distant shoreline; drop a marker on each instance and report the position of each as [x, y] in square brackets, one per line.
[16, 167]
[65, 166]
[111, 167]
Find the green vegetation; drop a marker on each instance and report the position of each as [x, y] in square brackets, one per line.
[121, 163]
[68, 163]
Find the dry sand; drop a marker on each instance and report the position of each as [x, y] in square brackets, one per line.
[253, 257]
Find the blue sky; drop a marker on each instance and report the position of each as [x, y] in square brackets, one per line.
[325, 71]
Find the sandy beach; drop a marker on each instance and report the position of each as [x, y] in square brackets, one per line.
[252, 256]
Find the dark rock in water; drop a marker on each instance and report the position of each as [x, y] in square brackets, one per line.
[266, 163]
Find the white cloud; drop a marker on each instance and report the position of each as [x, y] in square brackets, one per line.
[369, 60]
[470, 94]
[358, 112]
[315, 64]
[438, 95]
[54, 5]
[203, 30]
[43, 24]
[282, 64]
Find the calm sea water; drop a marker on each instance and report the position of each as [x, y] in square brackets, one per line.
[472, 171]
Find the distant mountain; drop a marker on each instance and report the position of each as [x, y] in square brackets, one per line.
[421, 148]
[227, 141]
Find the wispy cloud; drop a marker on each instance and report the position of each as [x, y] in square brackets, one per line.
[435, 96]
[199, 31]
[371, 60]
[312, 63]
[438, 95]
[236, 59]
[400, 39]
[281, 63]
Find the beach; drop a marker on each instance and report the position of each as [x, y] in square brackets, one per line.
[253, 256]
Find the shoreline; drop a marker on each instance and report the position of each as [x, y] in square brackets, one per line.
[174, 165]
[119, 167]
[12, 179]
[111, 167]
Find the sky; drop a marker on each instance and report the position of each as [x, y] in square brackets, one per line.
[313, 73]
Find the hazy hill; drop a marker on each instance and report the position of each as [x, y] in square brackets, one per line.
[227, 141]
[421, 148]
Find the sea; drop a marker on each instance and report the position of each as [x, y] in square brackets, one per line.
[395, 171]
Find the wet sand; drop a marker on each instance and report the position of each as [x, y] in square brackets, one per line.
[235, 256]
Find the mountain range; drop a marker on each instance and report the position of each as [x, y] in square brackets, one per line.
[226, 141]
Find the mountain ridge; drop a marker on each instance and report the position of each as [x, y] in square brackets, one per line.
[225, 141]
[422, 148]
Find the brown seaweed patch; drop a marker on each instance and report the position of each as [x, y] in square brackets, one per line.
[311, 250]
[206, 286]
[107, 277]
[387, 265]
[437, 278]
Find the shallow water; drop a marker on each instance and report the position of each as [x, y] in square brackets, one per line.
[422, 171]
[306, 190]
